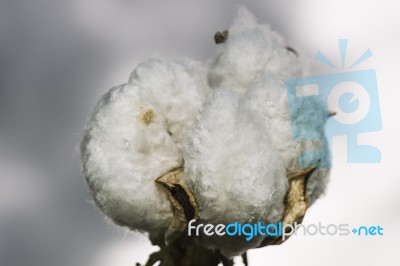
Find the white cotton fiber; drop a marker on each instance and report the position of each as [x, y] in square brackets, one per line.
[251, 51]
[233, 172]
[255, 60]
[123, 152]
[178, 87]
[268, 101]
[135, 136]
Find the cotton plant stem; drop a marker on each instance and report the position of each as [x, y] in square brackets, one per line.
[191, 255]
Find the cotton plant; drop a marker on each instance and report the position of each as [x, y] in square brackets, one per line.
[212, 142]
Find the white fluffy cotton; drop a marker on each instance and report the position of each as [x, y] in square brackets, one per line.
[122, 156]
[134, 137]
[252, 51]
[228, 125]
[178, 87]
[268, 101]
[255, 61]
[233, 172]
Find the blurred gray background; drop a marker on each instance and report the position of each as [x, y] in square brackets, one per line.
[58, 57]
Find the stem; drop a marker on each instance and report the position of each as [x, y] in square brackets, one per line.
[189, 255]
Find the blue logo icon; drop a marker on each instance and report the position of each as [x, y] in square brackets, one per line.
[351, 95]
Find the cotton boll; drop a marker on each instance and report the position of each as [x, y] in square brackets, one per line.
[126, 146]
[233, 172]
[251, 51]
[268, 102]
[235, 141]
[177, 87]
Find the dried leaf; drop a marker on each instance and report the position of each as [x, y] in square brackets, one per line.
[182, 200]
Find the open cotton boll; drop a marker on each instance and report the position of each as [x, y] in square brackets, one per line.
[233, 172]
[251, 51]
[177, 87]
[268, 102]
[126, 146]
